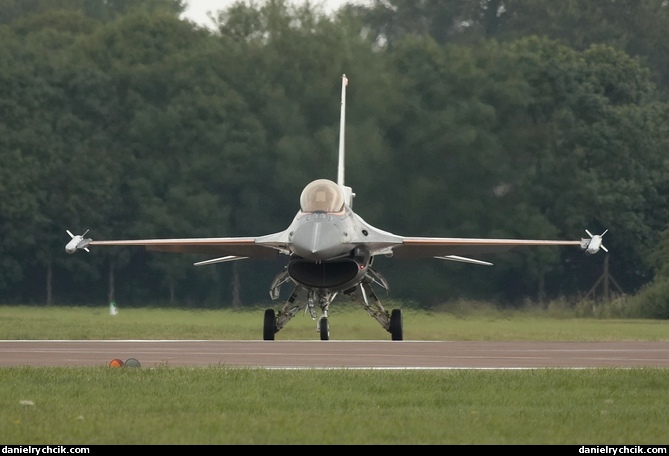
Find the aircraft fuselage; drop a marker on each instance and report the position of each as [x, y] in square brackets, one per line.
[323, 255]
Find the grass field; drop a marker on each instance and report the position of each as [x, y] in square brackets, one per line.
[222, 405]
[346, 323]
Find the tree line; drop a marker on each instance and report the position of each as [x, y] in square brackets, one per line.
[525, 118]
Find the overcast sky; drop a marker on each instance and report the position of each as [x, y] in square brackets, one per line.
[197, 9]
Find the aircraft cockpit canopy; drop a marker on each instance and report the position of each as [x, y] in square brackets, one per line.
[322, 195]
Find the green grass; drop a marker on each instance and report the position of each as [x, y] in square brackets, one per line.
[346, 323]
[224, 405]
[254, 406]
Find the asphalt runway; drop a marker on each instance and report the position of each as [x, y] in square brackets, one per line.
[337, 354]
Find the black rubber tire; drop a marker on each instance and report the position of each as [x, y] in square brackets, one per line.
[269, 325]
[396, 330]
[325, 329]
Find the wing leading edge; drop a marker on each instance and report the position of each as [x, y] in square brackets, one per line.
[239, 248]
[425, 247]
[266, 248]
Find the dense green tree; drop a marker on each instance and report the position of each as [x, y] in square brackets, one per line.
[605, 146]
[175, 115]
[530, 139]
[389, 21]
[64, 105]
[460, 108]
[634, 26]
[103, 10]
[18, 169]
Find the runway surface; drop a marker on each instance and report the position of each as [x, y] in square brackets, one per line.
[338, 354]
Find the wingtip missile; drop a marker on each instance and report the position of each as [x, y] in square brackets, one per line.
[77, 242]
[594, 244]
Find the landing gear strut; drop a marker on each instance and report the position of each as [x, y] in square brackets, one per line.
[274, 323]
[390, 322]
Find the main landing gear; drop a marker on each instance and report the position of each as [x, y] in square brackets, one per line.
[391, 322]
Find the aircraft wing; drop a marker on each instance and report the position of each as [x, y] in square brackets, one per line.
[425, 247]
[235, 248]
[270, 246]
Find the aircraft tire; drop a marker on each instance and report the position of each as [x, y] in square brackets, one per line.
[396, 324]
[324, 328]
[269, 325]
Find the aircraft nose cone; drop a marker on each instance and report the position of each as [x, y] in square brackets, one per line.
[318, 240]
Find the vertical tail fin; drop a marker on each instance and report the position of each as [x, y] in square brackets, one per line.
[348, 192]
[342, 127]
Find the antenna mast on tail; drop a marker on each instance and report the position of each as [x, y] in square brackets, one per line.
[348, 192]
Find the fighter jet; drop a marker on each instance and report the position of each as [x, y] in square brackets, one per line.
[330, 251]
